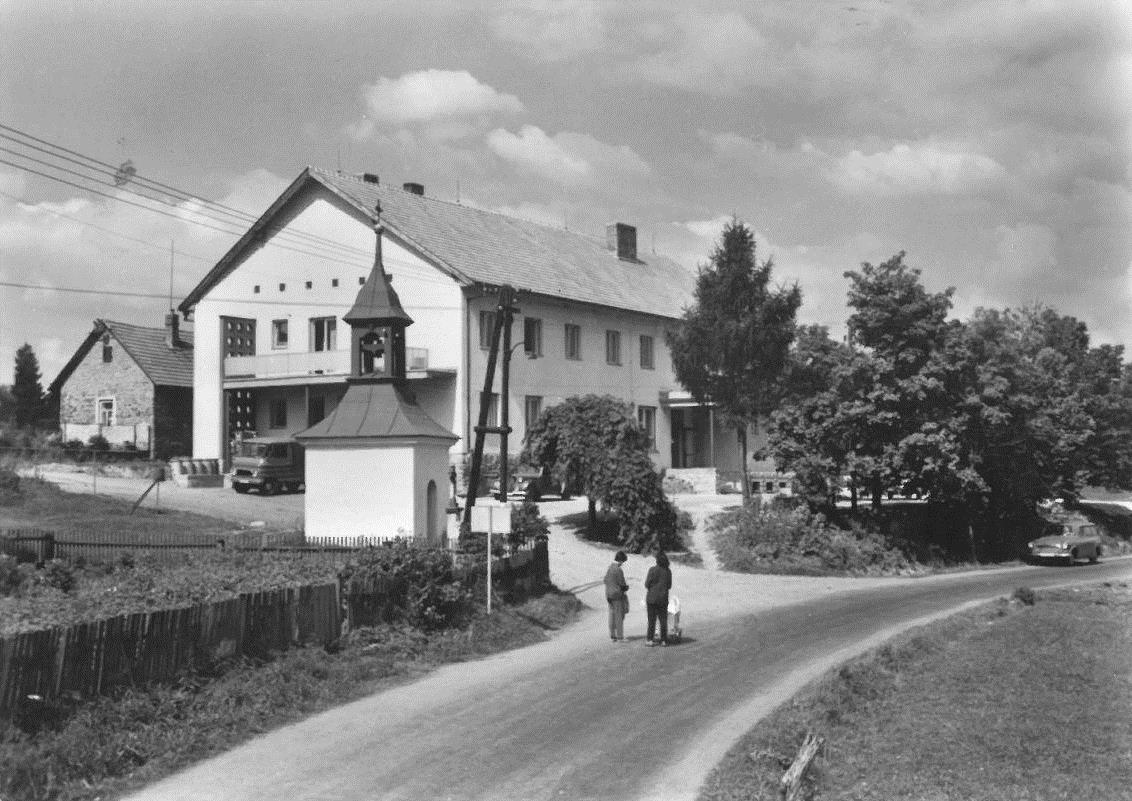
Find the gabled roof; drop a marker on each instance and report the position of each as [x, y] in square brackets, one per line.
[482, 247]
[164, 366]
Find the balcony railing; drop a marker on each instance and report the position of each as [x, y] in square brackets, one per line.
[291, 364]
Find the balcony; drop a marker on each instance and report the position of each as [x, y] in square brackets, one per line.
[304, 364]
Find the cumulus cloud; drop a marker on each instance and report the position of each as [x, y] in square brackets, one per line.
[450, 99]
[917, 168]
[713, 52]
[552, 30]
[567, 157]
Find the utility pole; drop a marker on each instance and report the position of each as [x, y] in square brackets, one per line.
[505, 310]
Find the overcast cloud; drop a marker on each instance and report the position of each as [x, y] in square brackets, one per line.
[988, 140]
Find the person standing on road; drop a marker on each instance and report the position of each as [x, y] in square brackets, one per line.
[657, 584]
[615, 589]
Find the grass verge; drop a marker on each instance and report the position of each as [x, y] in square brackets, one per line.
[1009, 701]
[107, 747]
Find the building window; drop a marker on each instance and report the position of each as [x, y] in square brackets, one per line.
[277, 413]
[309, 284]
[532, 336]
[334, 282]
[573, 341]
[105, 411]
[532, 408]
[647, 360]
[646, 417]
[278, 333]
[324, 333]
[255, 289]
[361, 280]
[487, 326]
[107, 353]
[613, 347]
[282, 287]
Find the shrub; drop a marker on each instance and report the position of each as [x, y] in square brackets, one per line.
[1025, 596]
[425, 590]
[526, 523]
[767, 538]
[97, 442]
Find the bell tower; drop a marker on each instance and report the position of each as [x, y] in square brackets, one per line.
[376, 465]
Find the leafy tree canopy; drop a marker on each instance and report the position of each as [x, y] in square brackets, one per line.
[594, 442]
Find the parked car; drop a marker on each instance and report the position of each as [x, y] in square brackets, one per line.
[1071, 545]
[269, 464]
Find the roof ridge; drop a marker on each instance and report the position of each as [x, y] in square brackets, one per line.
[457, 204]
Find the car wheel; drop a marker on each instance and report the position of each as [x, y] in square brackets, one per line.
[1096, 555]
[1073, 557]
[269, 488]
[240, 488]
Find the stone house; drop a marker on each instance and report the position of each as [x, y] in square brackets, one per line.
[132, 385]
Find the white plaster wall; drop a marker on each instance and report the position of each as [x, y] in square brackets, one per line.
[432, 299]
[360, 491]
[431, 465]
[555, 378]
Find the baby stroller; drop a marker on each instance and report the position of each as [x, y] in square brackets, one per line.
[674, 630]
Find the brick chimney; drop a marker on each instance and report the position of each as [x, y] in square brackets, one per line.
[413, 188]
[172, 329]
[622, 239]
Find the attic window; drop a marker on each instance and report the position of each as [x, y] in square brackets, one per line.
[334, 282]
[282, 287]
[309, 284]
[361, 280]
[107, 353]
[255, 289]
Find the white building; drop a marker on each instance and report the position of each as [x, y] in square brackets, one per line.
[272, 354]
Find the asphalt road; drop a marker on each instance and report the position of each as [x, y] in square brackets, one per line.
[579, 717]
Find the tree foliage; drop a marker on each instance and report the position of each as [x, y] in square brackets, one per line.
[734, 341]
[985, 417]
[594, 442]
[27, 392]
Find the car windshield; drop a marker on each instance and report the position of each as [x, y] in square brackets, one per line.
[252, 449]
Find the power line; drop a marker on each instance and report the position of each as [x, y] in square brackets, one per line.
[108, 169]
[264, 302]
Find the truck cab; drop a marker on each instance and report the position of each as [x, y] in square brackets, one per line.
[269, 464]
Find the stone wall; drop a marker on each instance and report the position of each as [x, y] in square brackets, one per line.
[120, 379]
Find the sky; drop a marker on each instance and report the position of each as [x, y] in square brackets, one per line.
[990, 141]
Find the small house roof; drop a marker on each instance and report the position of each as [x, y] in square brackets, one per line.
[165, 366]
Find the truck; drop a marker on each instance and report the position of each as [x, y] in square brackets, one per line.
[268, 464]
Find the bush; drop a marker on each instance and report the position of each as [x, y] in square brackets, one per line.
[425, 590]
[1025, 596]
[768, 538]
[97, 442]
[527, 524]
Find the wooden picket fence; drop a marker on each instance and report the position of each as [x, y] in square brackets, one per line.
[89, 659]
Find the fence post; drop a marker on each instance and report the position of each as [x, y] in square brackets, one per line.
[46, 548]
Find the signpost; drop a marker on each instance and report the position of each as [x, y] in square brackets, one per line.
[491, 517]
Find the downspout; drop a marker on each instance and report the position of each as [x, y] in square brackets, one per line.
[467, 372]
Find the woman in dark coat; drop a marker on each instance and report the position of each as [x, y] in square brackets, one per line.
[657, 584]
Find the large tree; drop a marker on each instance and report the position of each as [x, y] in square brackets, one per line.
[594, 442]
[733, 343]
[26, 388]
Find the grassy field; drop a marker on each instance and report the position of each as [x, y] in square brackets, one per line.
[1011, 701]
